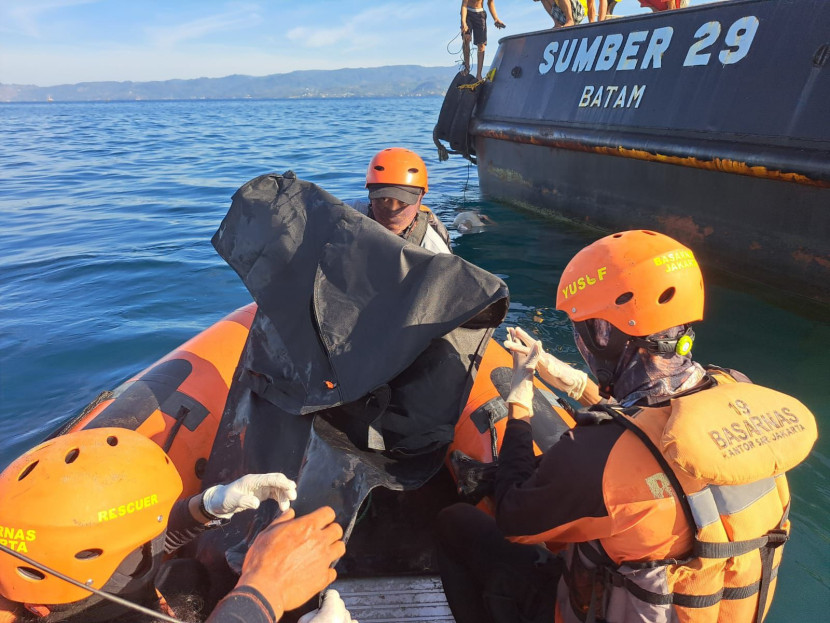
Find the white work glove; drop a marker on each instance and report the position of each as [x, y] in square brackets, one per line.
[333, 610]
[554, 372]
[247, 492]
[525, 358]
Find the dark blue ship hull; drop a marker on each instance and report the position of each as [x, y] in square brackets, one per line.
[710, 124]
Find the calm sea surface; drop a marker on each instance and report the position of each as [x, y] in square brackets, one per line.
[107, 210]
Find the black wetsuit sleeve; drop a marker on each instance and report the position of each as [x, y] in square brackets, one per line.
[548, 501]
[243, 605]
[516, 460]
[182, 527]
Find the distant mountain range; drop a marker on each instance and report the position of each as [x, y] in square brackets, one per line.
[390, 81]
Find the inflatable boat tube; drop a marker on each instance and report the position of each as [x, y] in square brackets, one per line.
[179, 400]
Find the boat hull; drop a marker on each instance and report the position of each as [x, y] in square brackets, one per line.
[758, 229]
[708, 124]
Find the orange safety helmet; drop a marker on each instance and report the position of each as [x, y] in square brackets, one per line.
[640, 281]
[398, 166]
[81, 503]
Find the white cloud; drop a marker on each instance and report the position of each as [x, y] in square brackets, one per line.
[237, 19]
[23, 16]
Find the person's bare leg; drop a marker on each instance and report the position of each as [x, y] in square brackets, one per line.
[480, 61]
[466, 49]
[565, 5]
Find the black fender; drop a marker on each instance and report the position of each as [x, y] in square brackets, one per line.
[454, 118]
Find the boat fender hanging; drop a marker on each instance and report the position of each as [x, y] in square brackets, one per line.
[454, 116]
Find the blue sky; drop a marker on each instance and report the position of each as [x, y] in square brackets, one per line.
[48, 42]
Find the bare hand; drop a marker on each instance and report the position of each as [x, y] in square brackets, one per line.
[9, 611]
[291, 560]
[499, 24]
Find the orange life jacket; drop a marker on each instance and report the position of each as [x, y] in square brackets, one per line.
[714, 463]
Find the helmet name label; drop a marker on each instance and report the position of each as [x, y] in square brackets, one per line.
[16, 538]
[129, 508]
[583, 282]
[676, 260]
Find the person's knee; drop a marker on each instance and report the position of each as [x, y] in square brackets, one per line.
[451, 523]
[481, 47]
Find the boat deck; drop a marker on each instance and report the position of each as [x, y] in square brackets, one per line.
[388, 599]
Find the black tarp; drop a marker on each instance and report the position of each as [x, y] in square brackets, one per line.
[359, 360]
[346, 308]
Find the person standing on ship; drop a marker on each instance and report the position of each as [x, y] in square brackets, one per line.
[101, 506]
[654, 5]
[668, 502]
[571, 12]
[397, 182]
[474, 26]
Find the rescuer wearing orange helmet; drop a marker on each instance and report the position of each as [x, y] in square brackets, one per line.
[668, 501]
[397, 182]
[100, 507]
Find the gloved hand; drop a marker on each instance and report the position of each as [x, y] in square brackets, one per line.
[525, 358]
[247, 492]
[554, 372]
[333, 610]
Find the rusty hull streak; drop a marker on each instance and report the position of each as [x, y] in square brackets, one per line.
[684, 228]
[803, 257]
[716, 164]
[723, 165]
[509, 175]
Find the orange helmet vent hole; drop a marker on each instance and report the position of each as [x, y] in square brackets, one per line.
[624, 298]
[28, 470]
[667, 295]
[72, 455]
[112, 440]
[31, 574]
[89, 554]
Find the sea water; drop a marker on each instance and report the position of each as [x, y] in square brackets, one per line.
[106, 264]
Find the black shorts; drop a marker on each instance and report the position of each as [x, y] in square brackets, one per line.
[477, 22]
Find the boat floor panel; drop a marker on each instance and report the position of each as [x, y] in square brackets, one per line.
[390, 599]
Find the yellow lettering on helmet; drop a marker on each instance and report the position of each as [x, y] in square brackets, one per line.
[120, 511]
[583, 282]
